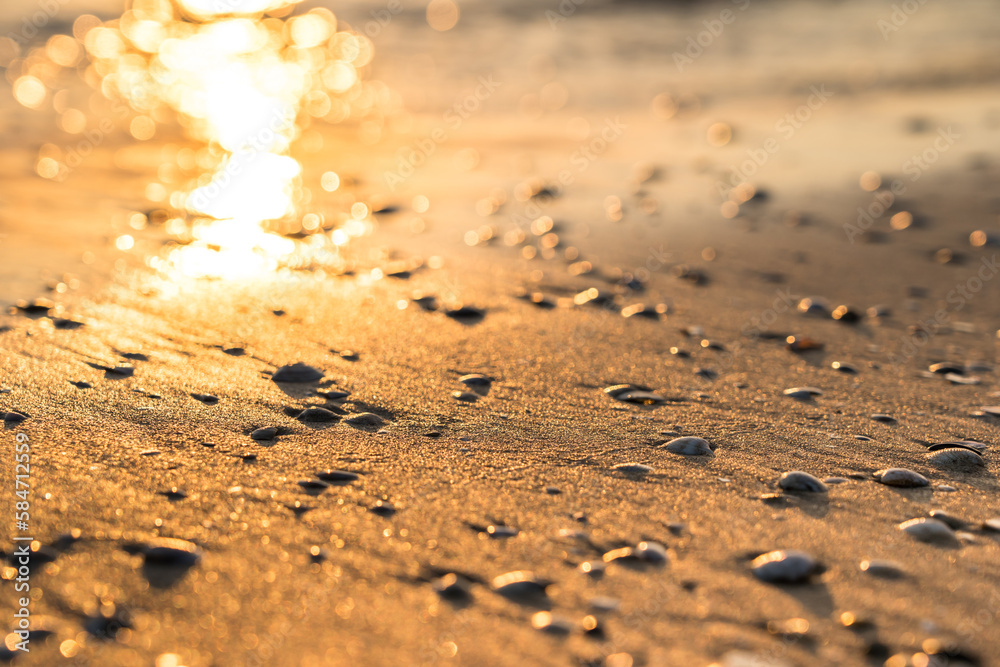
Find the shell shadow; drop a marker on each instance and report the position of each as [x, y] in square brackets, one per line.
[164, 576]
[814, 596]
[816, 505]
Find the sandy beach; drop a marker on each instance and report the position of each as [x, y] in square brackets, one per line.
[528, 386]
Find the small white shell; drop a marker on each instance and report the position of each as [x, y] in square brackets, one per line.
[797, 480]
[369, 419]
[651, 552]
[690, 446]
[785, 567]
[929, 530]
[963, 460]
[953, 522]
[901, 477]
[633, 469]
[545, 621]
[803, 393]
[519, 584]
[646, 552]
[885, 569]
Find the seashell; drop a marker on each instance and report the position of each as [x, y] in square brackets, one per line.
[545, 621]
[876, 312]
[317, 416]
[959, 459]
[846, 314]
[884, 569]
[637, 394]
[641, 398]
[297, 372]
[690, 446]
[452, 587]
[956, 378]
[814, 306]
[843, 368]
[633, 469]
[651, 552]
[945, 367]
[499, 532]
[785, 567]
[803, 393]
[465, 396]
[173, 493]
[885, 419]
[644, 552]
[383, 508]
[466, 314]
[951, 520]
[798, 481]
[170, 551]
[901, 477]
[521, 586]
[12, 418]
[313, 486]
[337, 476]
[265, 433]
[365, 420]
[775, 499]
[333, 394]
[604, 603]
[39, 305]
[975, 446]
[476, 380]
[803, 344]
[642, 310]
[991, 410]
[929, 530]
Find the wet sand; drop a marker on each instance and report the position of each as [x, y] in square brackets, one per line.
[521, 474]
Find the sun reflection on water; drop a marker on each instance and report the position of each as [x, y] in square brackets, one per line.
[245, 79]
